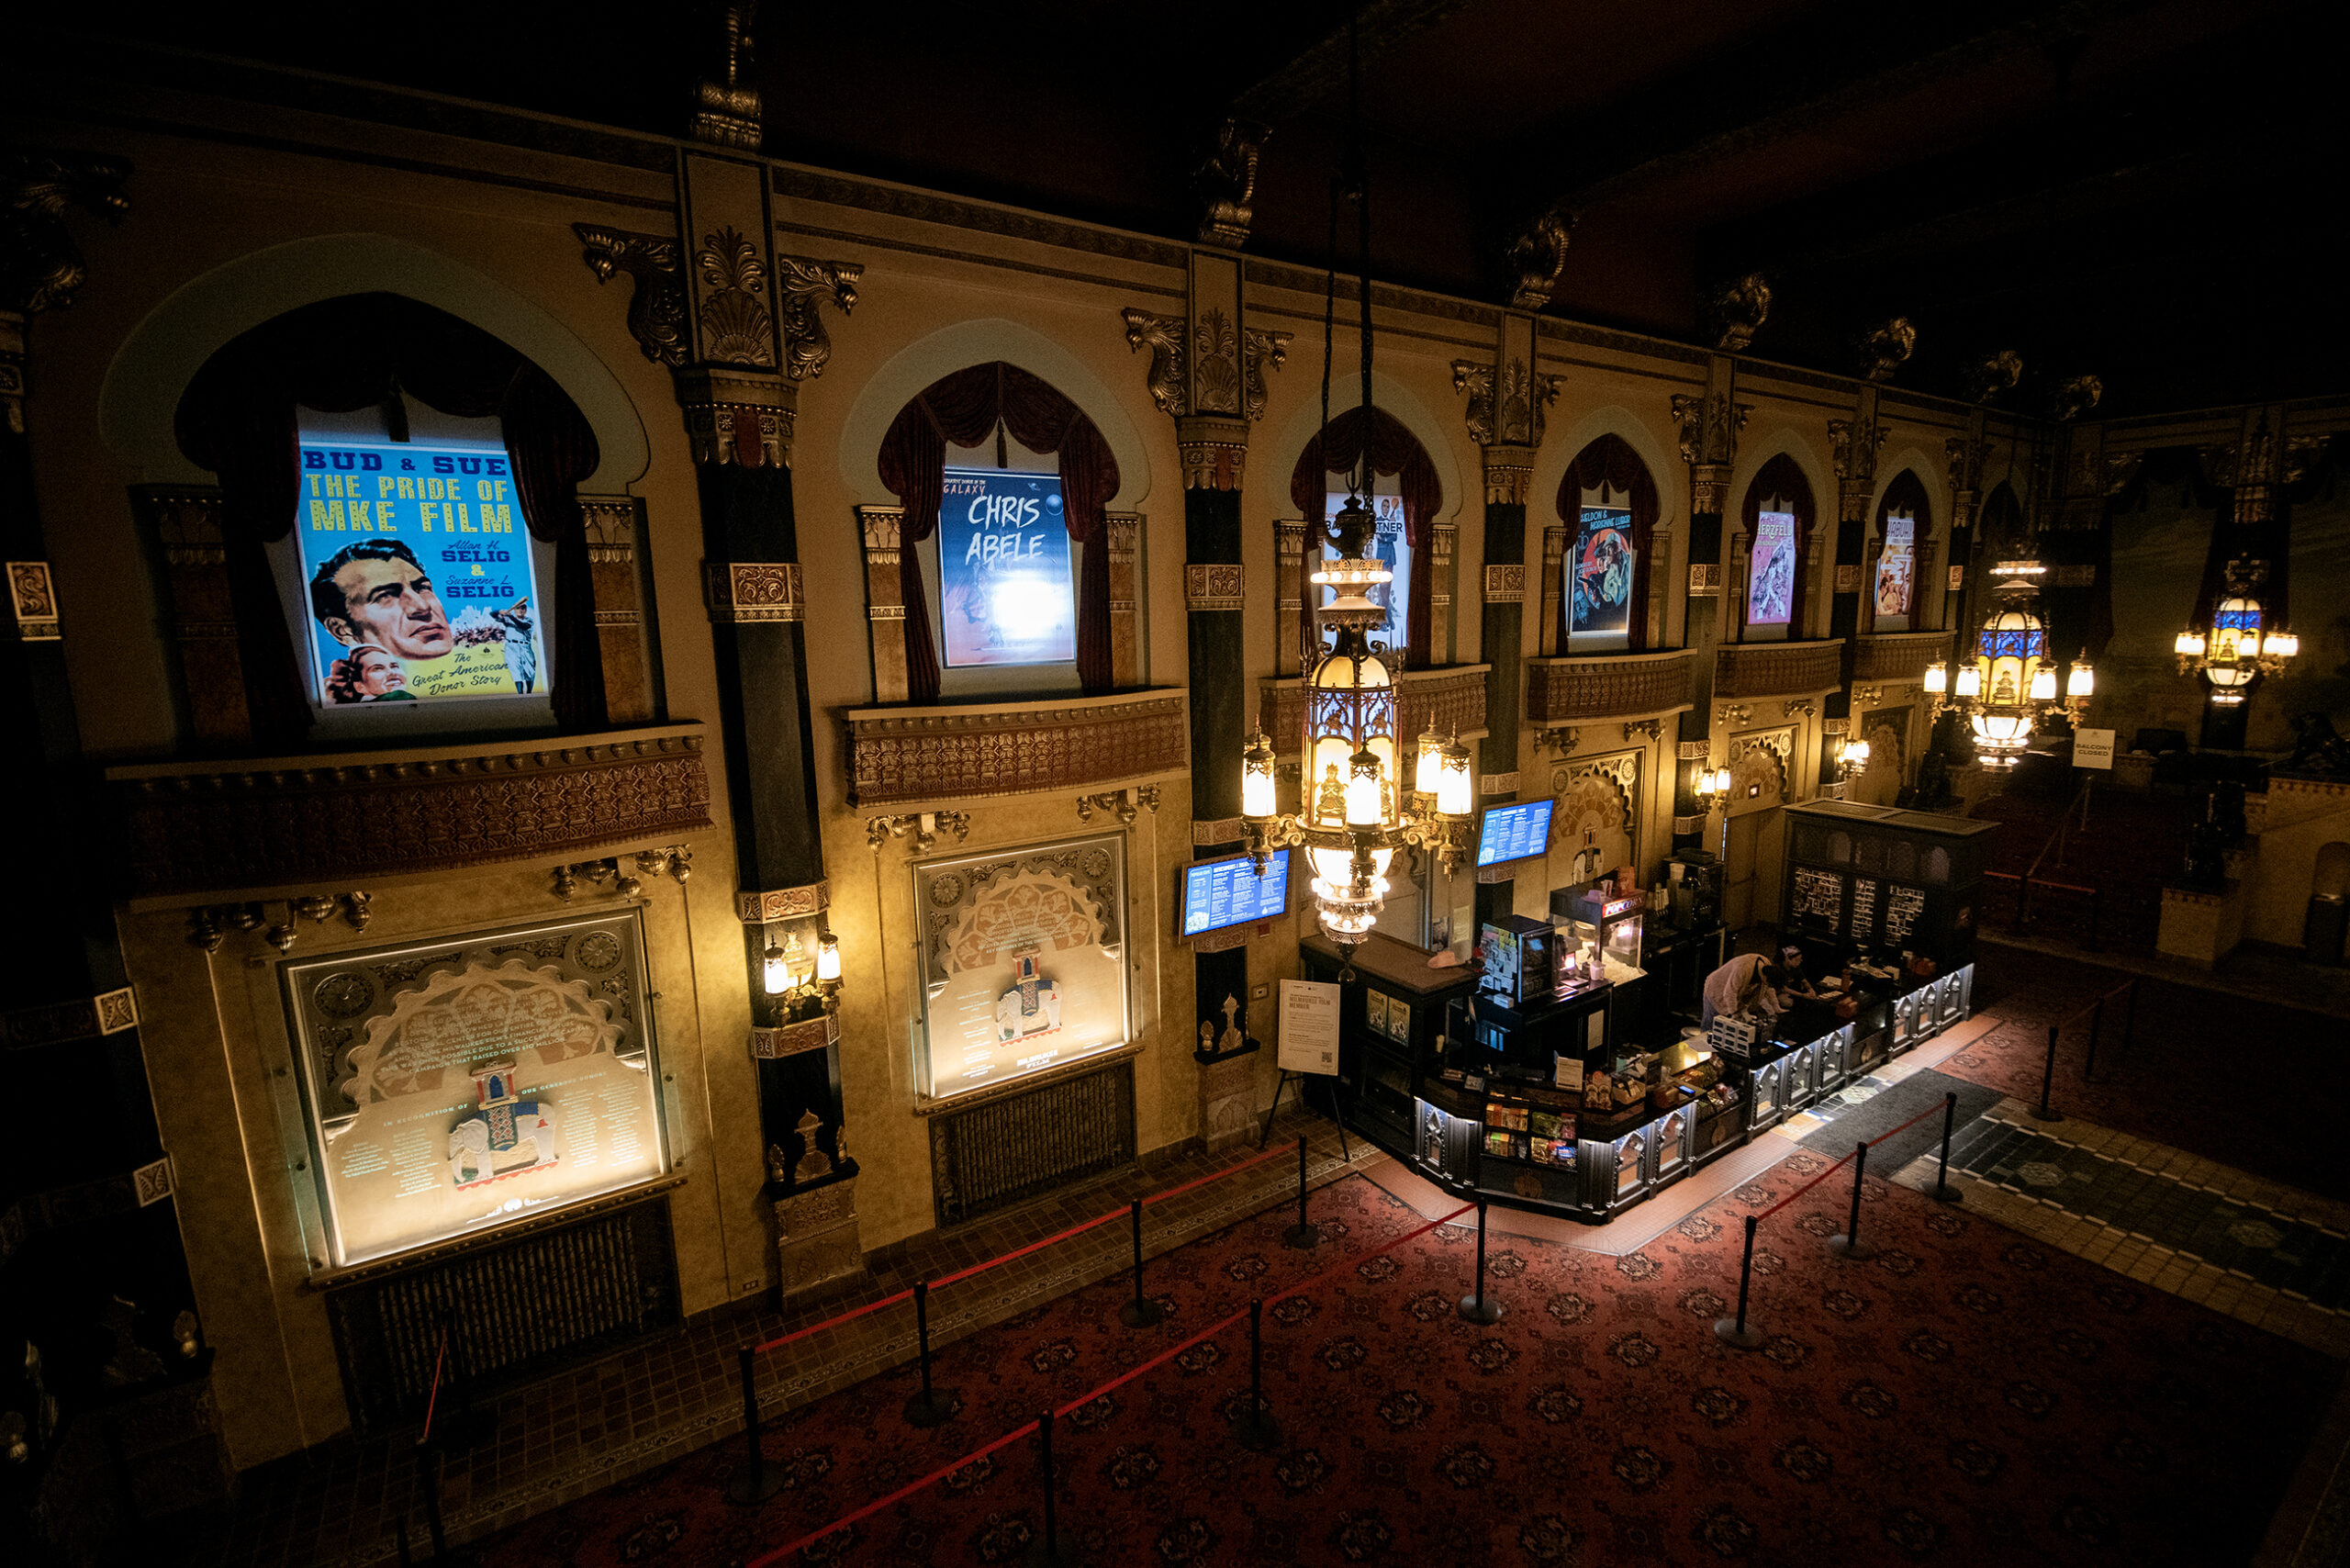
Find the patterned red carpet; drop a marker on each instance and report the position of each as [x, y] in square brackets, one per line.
[1965, 1397]
[2206, 1072]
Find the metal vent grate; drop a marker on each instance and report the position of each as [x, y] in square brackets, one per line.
[513, 1309]
[1008, 1150]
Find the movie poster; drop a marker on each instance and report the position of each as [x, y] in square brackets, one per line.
[1006, 595]
[417, 568]
[1387, 544]
[1771, 580]
[1897, 566]
[1599, 574]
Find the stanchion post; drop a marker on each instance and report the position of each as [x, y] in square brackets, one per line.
[1479, 1308]
[1850, 1244]
[1943, 1192]
[2096, 1022]
[399, 1542]
[1141, 1312]
[928, 1408]
[1733, 1332]
[2042, 1111]
[429, 1458]
[1256, 1430]
[2096, 899]
[756, 1483]
[2130, 1013]
[1302, 1235]
[1047, 1548]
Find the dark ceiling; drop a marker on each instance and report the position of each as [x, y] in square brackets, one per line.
[2141, 189]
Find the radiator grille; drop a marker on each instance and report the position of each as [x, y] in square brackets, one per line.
[1006, 1151]
[513, 1310]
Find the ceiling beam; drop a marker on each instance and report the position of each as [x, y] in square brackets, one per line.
[1319, 70]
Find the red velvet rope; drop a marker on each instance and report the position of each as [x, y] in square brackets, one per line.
[1823, 1176]
[902, 1493]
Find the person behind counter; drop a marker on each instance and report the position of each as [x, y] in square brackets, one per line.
[1797, 982]
[1748, 984]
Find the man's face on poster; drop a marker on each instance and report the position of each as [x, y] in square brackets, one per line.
[391, 603]
[379, 673]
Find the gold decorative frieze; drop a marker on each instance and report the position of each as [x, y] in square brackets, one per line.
[1776, 669]
[1694, 751]
[84, 1018]
[1221, 830]
[1607, 686]
[970, 752]
[33, 600]
[1212, 450]
[1509, 474]
[754, 590]
[1705, 579]
[754, 906]
[1505, 584]
[1897, 656]
[1494, 784]
[334, 818]
[1215, 585]
[795, 1039]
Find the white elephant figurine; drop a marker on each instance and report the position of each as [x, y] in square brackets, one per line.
[1032, 1005]
[479, 1152]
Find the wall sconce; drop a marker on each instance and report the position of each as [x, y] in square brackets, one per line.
[1853, 757]
[792, 975]
[925, 827]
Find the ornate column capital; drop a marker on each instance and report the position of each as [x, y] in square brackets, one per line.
[1511, 408]
[1710, 423]
[1509, 474]
[738, 416]
[747, 591]
[1854, 445]
[1214, 449]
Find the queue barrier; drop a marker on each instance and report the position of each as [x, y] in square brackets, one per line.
[1737, 1331]
[2094, 1011]
[757, 1481]
[1043, 1424]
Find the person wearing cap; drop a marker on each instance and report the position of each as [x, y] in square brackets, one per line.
[1796, 983]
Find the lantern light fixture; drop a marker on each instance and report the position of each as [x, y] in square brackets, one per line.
[2237, 648]
[2009, 687]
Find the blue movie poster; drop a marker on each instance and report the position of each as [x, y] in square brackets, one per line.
[1005, 596]
[417, 571]
[1599, 573]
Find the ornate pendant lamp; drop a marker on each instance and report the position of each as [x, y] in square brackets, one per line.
[2009, 687]
[1354, 810]
[2235, 648]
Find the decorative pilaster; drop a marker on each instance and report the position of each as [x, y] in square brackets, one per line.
[1289, 597]
[1555, 562]
[1124, 543]
[885, 605]
[1710, 423]
[1444, 548]
[615, 523]
[1854, 445]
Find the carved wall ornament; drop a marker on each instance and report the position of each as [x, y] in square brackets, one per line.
[1477, 380]
[801, 286]
[1535, 255]
[1854, 445]
[1705, 579]
[754, 907]
[32, 600]
[1776, 669]
[736, 328]
[1124, 804]
[795, 1039]
[209, 927]
[1994, 376]
[1559, 741]
[1259, 349]
[656, 305]
[1221, 830]
[84, 1018]
[1165, 338]
[1225, 182]
[1216, 345]
[40, 267]
[1496, 784]
[1886, 347]
[2075, 397]
[745, 591]
[1710, 424]
[1736, 311]
[1599, 791]
[1212, 450]
[1560, 690]
[732, 416]
[1509, 474]
[1848, 576]
[1965, 467]
[1505, 584]
[727, 109]
[945, 753]
[1651, 729]
[925, 827]
[1213, 586]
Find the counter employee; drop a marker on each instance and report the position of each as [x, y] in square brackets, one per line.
[1797, 982]
[1748, 984]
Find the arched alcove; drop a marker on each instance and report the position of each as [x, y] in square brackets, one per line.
[1783, 565]
[163, 353]
[1607, 568]
[904, 375]
[1397, 455]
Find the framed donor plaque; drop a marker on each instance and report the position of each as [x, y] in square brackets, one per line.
[452, 1087]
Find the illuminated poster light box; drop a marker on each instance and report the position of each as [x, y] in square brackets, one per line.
[1771, 579]
[418, 569]
[1214, 895]
[1004, 569]
[1599, 574]
[1517, 831]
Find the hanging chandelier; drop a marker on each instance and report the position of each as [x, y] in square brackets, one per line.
[2234, 648]
[2009, 687]
[1354, 811]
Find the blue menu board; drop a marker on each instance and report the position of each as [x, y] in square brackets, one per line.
[1217, 893]
[1514, 833]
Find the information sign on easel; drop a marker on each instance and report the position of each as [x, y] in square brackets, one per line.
[2093, 748]
[1307, 1043]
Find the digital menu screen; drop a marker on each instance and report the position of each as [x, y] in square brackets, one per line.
[1514, 833]
[1217, 893]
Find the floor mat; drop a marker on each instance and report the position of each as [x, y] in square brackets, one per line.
[1964, 1397]
[1871, 1116]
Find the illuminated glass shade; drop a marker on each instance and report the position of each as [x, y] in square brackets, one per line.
[1350, 709]
[1428, 771]
[1970, 682]
[1257, 794]
[1454, 793]
[776, 981]
[2080, 682]
[2188, 644]
[828, 956]
[1937, 678]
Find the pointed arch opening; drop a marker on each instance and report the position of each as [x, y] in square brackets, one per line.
[1408, 499]
[1776, 527]
[1609, 501]
[1905, 526]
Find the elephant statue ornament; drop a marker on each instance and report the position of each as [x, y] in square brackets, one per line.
[1032, 1005]
[506, 1136]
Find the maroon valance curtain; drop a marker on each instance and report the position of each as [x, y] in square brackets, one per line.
[963, 409]
[1610, 463]
[238, 419]
[1397, 452]
[1782, 478]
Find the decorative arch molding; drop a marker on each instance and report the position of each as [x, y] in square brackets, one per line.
[1787, 440]
[959, 347]
[1662, 459]
[1931, 478]
[1391, 398]
[161, 355]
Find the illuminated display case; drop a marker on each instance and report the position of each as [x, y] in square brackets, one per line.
[1591, 919]
[1022, 961]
